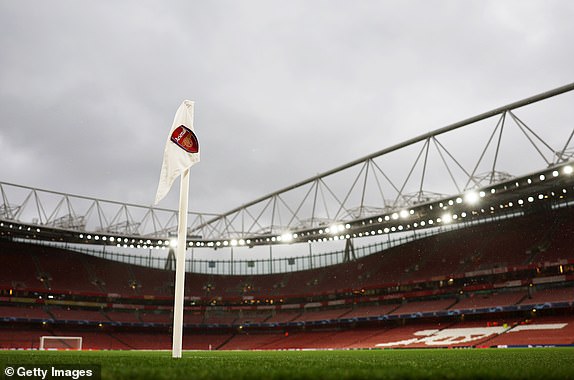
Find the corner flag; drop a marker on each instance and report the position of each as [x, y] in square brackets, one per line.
[181, 152]
[181, 149]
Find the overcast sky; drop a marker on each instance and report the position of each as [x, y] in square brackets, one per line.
[283, 89]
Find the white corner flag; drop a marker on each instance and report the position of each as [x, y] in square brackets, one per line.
[181, 149]
[181, 152]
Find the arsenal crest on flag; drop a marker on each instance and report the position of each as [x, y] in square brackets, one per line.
[185, 139]
[181, 149]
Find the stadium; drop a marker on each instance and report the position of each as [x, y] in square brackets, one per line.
[385, 190]
[374, 263]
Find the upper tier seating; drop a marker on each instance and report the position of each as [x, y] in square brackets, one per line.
[512, 242]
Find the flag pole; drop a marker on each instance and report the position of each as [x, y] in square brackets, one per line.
[180, 153]
[180, 266]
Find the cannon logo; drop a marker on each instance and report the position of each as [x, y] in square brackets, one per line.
[185, 139]
[455, 336]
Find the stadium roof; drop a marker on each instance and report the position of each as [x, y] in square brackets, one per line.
[349, 201]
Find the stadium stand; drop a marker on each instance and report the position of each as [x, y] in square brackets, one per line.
[73, 277]
[371, 311]
[284, 316]
[489, 300]
[156, 317]
[550, 295]
[322, 315]
[509, 282]
[28, 313]
[18, 269]
[559, 331]
[127, 317]
[69, 315]
[424, 306]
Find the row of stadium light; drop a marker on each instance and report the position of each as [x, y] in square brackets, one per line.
[408, 219]
[20, 227]
[422, 216]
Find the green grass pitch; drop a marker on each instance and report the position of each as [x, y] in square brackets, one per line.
[531, 363]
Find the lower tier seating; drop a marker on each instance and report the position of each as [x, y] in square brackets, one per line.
[512, 331]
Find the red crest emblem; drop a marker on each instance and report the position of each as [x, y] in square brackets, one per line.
[185, 139]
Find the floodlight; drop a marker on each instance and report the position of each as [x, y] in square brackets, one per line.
[335, 228]
[404, 214]
[567, 169]
[446, 218]
[471, 197]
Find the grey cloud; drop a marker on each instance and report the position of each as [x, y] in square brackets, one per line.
[283, 90]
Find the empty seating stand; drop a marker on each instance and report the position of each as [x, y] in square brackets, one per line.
[133, 303]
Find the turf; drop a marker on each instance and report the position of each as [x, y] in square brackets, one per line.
[532, 363]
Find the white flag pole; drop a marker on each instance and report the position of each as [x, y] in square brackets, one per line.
[180, 266]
